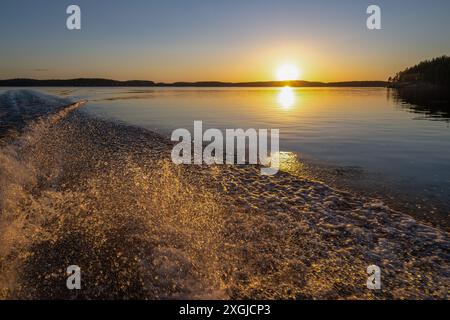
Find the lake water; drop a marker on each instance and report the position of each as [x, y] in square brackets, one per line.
[360, 139]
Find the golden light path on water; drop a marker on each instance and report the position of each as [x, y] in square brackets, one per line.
[286, 97]
[290, 162]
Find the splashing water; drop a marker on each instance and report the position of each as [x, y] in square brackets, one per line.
[131, 221]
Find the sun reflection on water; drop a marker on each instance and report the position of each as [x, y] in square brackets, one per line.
[290, 162]
[286, 97]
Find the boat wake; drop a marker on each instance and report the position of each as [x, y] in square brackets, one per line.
[81, 191]
[76, 190]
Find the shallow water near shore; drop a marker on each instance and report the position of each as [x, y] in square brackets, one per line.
[357, 139]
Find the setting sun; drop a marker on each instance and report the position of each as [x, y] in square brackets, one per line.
[287, 72]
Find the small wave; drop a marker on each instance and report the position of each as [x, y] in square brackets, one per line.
[20, 107]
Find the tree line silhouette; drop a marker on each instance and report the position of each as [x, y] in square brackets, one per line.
[435, 71]
[425, 87]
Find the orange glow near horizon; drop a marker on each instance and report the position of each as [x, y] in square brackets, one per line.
[265, 63]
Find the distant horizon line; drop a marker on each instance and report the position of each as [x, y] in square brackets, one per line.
[93, 82]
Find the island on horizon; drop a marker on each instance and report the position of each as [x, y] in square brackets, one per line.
[100, 82]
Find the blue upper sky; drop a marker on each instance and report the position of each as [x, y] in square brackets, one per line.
[233, 40]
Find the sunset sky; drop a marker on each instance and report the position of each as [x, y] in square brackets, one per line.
[218, 40]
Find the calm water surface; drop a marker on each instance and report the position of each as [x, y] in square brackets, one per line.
[360, 139]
